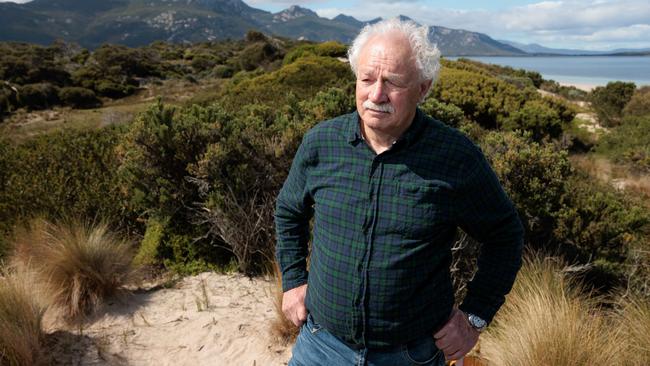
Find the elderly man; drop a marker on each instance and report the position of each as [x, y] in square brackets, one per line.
[387, 187]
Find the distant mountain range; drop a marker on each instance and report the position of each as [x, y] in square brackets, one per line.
[536, 49]
[140, 22]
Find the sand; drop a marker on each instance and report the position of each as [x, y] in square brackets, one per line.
[208, 319]
[582, 86]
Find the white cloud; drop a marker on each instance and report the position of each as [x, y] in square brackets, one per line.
[15, 1]
[569, 23]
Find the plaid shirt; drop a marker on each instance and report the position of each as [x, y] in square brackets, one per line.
[383, 229]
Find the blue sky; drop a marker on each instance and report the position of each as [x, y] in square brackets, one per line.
[582, 24]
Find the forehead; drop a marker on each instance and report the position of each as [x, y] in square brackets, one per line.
[392, 52]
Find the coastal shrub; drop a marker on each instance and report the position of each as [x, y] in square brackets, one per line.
[21, 318]
[257, 55]
[443, 112]
[522, 333]
[536, 117]
[65, 173]
[534, 176]
[599, 221]
[77, 265]
[518, 77]
[483, 98]
[203, 62]
[8, 99]
[255, 36]
[156, 153]
[608, 101]
[112, 89]
[327, 49]
[629, 143]
[37, 96]
[223, 71]
[305, 77]
[568, 92]
[78, 97]
[148, 251]
[639, 104]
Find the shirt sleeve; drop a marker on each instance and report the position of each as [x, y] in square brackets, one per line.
[486, 213]
[294, 209]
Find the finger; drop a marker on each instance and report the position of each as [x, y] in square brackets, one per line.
[456, 355]
[444, 342]
[449, 355]
[442, 332]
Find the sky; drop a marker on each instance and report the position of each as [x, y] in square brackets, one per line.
[580, 24]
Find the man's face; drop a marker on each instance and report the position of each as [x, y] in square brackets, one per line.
[388, 85]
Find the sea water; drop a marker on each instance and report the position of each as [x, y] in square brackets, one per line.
[581, 70]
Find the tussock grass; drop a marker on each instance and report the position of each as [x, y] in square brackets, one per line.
[634, 324]
[78, 265]
[281, 327]
[548, 320]
[21, 314]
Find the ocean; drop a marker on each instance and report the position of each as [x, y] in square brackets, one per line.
[580, 70]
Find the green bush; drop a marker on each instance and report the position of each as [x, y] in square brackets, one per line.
[223, 71]
[8, 100]
[629, 143]
[255, 36]
[600, 222]
[609, 101]
[157, 153]
[446, 113]
[78, 97]
[536, 117]
[257, 55]
[38, 96]
[639, 104]
[305, 77]
[63, 174]
[483, 98]
[149, 249]
[326, 49]
[534, 176]
[112, 89]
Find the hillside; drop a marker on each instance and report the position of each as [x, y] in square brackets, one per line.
[138, 22]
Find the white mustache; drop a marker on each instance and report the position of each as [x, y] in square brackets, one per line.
[384, 107]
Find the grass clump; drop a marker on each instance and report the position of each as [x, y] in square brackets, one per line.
[634, 323]
[21, 314]
[548, 320]
[282, 328]
[79, 265]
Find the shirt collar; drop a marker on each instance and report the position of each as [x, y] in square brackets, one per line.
[353, 132]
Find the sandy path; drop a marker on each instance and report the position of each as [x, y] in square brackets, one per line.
[208, 319]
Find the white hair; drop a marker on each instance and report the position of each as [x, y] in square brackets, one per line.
[426, 54]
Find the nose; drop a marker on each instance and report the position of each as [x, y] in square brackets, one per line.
[377, 93]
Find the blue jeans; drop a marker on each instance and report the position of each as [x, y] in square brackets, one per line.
[316, 346]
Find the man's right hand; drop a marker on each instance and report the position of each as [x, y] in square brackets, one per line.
[293, 305]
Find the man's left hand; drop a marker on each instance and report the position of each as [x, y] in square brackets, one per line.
[457, 337]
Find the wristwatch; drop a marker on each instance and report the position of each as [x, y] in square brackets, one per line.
[476, 322]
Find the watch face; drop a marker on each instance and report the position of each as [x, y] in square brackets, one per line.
[477, 322]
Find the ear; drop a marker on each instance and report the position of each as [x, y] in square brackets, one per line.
[424, 89]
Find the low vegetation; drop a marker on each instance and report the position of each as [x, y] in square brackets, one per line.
[21, 316]
[548, 319]
[76, 266]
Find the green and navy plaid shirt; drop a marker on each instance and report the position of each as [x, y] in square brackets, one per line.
[383, 228]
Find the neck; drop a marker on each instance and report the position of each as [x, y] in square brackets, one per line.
[381, 140]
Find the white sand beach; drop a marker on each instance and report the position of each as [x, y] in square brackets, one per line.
[208, 319]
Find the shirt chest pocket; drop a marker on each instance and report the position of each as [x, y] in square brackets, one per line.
[417, 209]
